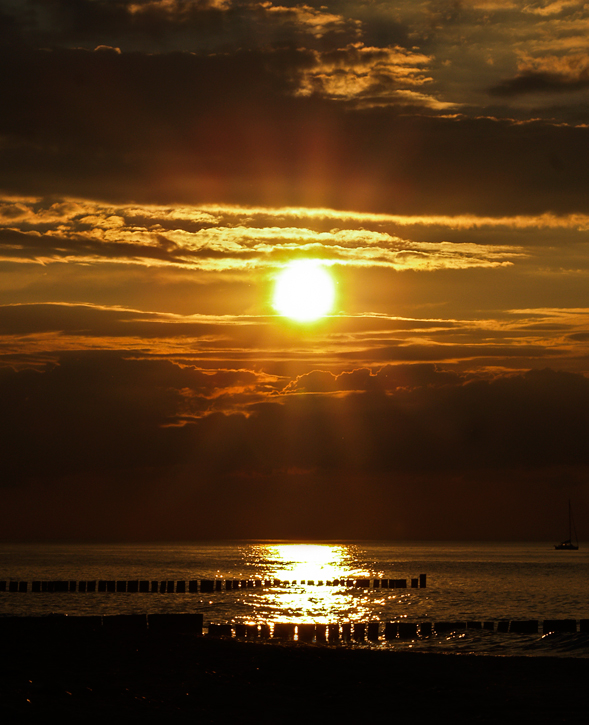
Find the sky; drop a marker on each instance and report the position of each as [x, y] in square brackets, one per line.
[162, 162]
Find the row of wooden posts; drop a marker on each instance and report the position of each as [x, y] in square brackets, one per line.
[304, 632]
[374, 631]
[196, 585]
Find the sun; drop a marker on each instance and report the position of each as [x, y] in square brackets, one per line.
[304, 291]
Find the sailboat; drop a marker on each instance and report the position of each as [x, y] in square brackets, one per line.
[568, 544]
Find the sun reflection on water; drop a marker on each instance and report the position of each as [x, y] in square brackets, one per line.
[308, 562]
[313, 584]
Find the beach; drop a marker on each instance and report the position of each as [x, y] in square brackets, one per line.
[178, 677]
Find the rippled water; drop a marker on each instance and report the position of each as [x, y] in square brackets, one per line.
[474, 581]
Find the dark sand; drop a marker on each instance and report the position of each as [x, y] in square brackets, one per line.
[155, 677]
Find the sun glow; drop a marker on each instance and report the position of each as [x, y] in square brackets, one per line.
[304, 291]
[309, 561]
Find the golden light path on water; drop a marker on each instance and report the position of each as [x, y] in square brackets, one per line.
[311, 596]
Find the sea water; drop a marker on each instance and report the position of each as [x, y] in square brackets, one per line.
[465, 581]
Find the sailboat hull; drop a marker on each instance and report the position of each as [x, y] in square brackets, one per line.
[566, 546]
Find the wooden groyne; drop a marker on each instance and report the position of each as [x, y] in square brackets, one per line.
[310, 632]
[194, 586]
[379, 631]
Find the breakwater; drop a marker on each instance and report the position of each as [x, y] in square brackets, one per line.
[169, 586]
[310, 632]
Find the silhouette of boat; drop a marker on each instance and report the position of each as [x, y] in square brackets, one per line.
[568, 544]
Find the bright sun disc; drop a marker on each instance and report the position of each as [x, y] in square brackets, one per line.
[304, 291]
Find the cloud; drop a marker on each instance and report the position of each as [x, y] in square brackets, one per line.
[552, 8]
[177, 25]
[388, 378]
[163, 128]
[91, 414]
[31, 335]
[142, 449]
[370, 76]
[547, 74]
[197, 239]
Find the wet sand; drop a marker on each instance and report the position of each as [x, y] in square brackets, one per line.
[156, 677]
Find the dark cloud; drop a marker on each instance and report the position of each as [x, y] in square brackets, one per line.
[94, 413]
[86, 320]
[540, 83]
[185, 25]
[181, 127]
[96, 440]
[387, 378]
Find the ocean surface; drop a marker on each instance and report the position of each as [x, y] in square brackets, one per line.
[465, 581]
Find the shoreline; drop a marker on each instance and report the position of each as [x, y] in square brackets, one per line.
[149, 676]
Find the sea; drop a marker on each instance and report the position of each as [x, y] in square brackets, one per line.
[474, 582]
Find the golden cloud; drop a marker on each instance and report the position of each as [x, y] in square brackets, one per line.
[218, 240]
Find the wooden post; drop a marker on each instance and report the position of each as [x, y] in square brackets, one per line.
[407, 630]
[391, 630]
[425, 629]
[124, 623]
[284, 630]
[333, 633]
[359, 631]
[306, 632]
[449, 626]
[528, 626]
[177, 622]
[559, 625]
